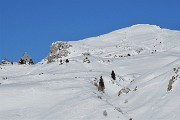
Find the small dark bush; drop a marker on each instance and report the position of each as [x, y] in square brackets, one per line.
[101, 86]
[113, 75]
[67, 61]
[105, 113]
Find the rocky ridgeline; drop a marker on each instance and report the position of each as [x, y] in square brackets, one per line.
[58, 50]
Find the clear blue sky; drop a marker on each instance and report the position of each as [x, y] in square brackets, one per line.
[32, 25]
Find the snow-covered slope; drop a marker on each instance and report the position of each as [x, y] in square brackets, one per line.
[145, 59]
[131, 41]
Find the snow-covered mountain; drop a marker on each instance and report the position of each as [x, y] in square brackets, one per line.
[145, 59]
[131, 41]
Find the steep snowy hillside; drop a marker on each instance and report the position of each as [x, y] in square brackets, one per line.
[146, 62]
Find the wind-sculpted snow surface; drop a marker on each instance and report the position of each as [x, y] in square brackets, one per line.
[146, 63]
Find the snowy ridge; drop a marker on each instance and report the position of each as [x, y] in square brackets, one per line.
[145, 59]
[130, 41]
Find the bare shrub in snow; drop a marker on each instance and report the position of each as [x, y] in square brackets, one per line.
[105, 113]
[128, 54]
[113, 75]
[61, 62]
[99, 97]
[135, 88]
[101, 86]
[4, 78]
[126, 101]
[139, 50]
[67, 61]
[86, 53]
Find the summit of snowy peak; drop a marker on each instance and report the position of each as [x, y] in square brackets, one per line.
[145, 26]
[122, 33]
[138, 26]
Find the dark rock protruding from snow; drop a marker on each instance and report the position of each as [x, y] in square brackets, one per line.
[26, 59]
[86, 60]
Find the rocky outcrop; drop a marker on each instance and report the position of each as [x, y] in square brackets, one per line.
[58, 50]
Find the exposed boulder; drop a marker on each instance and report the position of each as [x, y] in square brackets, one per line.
[124, 90]
[86, 60]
